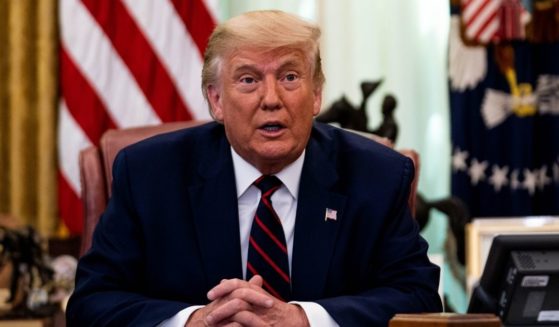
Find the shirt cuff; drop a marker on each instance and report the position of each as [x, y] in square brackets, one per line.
[316, 314]
[180, 319]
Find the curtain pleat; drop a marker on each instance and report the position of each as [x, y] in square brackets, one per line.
[47, 100]
[4, 117]
[28, 98]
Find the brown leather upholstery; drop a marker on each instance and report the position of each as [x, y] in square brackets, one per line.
[94, 195]
[96, 169]
[412, 154]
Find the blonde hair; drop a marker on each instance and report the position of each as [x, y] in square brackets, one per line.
[266, 29]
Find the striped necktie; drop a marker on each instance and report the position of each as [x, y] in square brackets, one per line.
[267, 251]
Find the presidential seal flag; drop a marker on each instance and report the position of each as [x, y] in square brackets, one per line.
[505, 127]
[125, 63]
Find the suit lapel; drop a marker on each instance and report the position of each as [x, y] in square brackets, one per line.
[315, 236]
[214, 202]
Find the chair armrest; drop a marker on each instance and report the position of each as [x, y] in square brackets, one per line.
[93, 192]
[414, 156]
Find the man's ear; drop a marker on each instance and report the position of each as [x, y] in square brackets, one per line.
[214, 97]
[317, 100]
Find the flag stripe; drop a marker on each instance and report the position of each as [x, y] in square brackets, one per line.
[82, 101]
[489, 29]
[88, 46]
[138, 55]
[212, 6]
[473, 10]
[174, 47]
[72, 139]
[124, 63]
[197, 20]
[481, 19]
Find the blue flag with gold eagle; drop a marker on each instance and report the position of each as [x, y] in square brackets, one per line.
[504, 101]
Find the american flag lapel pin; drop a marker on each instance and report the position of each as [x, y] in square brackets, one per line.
[331, 214]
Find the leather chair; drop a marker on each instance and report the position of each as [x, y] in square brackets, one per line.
[96, 173]
[96, 177]
[96, 169]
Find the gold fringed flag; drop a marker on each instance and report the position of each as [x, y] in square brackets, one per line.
[511, 27]
[480, 19]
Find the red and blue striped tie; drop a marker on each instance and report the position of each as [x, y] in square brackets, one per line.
[267, 251]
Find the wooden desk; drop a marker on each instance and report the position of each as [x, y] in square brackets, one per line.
[445, 319]
[27, 323]
[57, 320]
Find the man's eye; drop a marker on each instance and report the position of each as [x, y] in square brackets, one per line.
[291, 77]
[247, 80]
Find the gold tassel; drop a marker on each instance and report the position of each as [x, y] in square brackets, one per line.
[522, 99]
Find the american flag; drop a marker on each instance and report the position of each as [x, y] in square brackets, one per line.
[125, 63]
[330, 214]
[481, 19]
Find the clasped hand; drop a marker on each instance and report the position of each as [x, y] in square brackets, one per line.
[236, 302]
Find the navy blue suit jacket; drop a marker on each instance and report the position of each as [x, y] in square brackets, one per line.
[171, 232]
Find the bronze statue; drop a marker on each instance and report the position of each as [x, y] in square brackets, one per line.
[348, 116]
[388, 127]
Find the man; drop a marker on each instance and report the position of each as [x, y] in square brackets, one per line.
[182, 239]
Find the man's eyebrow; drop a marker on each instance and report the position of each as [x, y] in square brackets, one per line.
[290, 63]
[250, 67]
[244, 68]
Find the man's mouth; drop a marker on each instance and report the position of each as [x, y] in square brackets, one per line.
[272, 127]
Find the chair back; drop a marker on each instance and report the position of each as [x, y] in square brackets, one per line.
[96, 169]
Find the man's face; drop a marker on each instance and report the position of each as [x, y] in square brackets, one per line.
[266, 101]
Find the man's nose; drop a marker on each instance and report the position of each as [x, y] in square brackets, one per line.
[271, 99]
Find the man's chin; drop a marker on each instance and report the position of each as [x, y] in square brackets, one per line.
[276, 152]
[275, 159]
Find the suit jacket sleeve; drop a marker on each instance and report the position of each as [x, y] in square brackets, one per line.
[110, 288]
[400, 276]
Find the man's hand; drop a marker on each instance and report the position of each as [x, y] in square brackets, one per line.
[240, 303]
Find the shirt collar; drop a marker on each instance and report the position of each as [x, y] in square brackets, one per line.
[246, 174]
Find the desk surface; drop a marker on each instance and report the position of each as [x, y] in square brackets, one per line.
[445, 319]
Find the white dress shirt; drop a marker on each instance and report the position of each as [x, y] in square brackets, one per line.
[284, 201]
